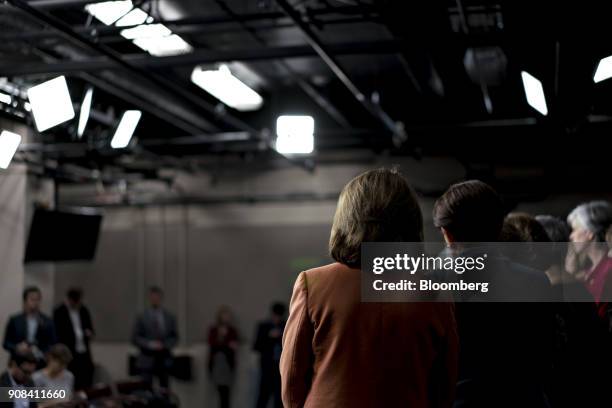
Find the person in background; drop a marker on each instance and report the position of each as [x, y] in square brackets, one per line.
[505, 348]
[558, 232]
[341, 352]
[155, 334]
[30, 331]
[609, 241]
[18, 376]
[530, 232]
[580, 337]
[222, 343]
[75, 330]
[55, 375]
[268, 343]
[590, 222]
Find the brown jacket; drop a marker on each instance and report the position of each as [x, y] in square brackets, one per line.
[339, 352]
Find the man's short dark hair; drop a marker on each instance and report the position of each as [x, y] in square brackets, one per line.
[470, 211]
[30, 289]
[75, 294]
[279, 308]
[19, 358]
[156, 289]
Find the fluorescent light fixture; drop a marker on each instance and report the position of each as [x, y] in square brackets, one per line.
[224, 86]
[146, 31]
[164, 46]
[126, 129]
[109, 11]
[9, 142]
[84, 112]
[134, 18]
[294, 134]
[534, 93]
[51, 103]
[604, 70]
[6, 98]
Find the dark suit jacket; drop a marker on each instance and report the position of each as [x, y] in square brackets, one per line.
[64, 329]
[145, 330]
[17, 331]
[341, 352]
[505, 347]
[5, 381]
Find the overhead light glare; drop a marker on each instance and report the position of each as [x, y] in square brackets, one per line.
[294, 134]
[224, 86]
[9, 143]
[604, 70]
[50, 103]
[164, 46]
[126, 129]
[6, 98]
[146, 31]
[534, 93]
[109, 11]
[84, 112]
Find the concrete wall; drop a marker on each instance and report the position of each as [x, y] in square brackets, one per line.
[13, 187]
[12, 239]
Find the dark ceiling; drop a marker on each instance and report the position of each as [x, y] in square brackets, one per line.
[439, 78]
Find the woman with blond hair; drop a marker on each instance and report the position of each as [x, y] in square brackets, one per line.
[341, 352]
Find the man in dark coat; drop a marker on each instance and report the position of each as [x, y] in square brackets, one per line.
[155, 334]
[30, 331]
[75, 329]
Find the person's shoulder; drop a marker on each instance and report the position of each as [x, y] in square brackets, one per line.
[68, 375]
[38, 377]
[61, 309]
[17, 316]
[328, 278]
[607, 262]
[46, 318]
[326, 270]
[168, 313]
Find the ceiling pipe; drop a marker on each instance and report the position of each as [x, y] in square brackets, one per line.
[143, 61]
[374, 109]
[304, 84]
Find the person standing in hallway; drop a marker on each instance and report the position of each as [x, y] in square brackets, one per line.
[155, 334]
[268, 343]
[75, 329]
[222, 343]
[30, 331]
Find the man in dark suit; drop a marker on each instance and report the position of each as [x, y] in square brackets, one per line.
[155, 334]
[269, 345]
[30, 331]
[18, 376]
[505, 335]
[75, 330]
